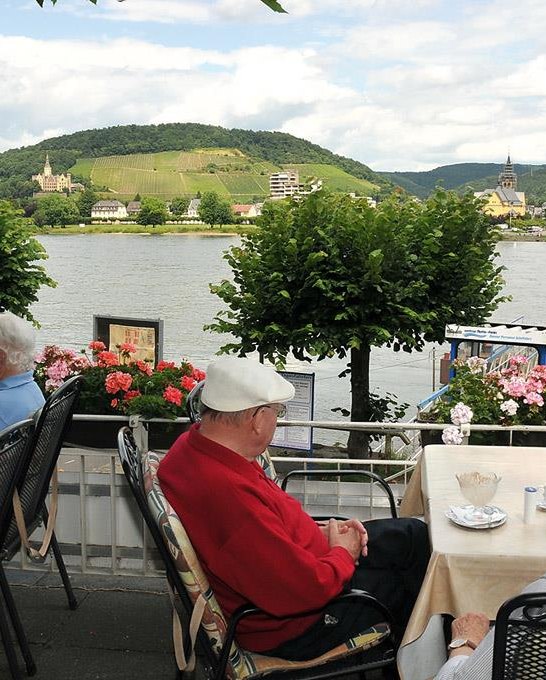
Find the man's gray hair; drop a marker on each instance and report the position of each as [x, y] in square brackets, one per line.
[17, 340]
[232, 417]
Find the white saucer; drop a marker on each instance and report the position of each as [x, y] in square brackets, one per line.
[456, 515]
[541, 506]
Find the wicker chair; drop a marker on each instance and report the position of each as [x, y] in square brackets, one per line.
[196, 608]
[15, 452]
[519, 651]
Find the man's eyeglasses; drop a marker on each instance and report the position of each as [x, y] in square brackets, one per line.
[279, 408]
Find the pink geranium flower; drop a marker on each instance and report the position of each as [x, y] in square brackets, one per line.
[97, 346]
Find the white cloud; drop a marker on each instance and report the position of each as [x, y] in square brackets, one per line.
[397, 85]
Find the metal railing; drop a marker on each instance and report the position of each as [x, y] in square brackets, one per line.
[101, 530]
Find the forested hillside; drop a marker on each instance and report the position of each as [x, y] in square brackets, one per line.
[476, 176]
[17, 165]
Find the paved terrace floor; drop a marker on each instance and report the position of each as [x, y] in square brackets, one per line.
[120, 631]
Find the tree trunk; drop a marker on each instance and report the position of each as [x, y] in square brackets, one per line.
[358, 444]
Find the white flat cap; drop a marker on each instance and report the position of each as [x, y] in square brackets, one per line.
[234, 384]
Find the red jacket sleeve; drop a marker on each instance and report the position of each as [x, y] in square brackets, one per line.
[279, 575]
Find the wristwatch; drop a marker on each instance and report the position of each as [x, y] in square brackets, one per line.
[461, 642]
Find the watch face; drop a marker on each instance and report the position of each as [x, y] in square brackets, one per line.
[460, 642]
[454, 644]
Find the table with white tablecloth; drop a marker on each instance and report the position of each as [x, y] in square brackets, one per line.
[470, 569]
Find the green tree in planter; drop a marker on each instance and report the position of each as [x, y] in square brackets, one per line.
[331, 276]
[152, 211]
[20, 274]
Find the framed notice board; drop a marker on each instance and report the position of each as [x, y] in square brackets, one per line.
[145, 334]
[301, 407]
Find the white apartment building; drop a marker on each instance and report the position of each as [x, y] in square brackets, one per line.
[283, 184]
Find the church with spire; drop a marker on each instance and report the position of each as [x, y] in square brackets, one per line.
[49, 182]
[504, 201]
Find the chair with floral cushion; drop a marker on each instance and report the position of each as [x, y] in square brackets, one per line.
[196, 608]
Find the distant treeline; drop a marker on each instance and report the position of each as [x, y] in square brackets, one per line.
[473, 176]
[18, 165]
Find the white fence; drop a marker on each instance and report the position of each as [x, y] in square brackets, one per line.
[100, 528]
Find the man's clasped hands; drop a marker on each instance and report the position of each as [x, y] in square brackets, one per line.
[349, 534]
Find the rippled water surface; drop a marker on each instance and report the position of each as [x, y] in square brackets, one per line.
[167, 277]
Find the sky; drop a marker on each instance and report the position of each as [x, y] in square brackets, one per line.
[395, 84]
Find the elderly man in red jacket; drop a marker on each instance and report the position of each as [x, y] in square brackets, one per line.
[257, 544]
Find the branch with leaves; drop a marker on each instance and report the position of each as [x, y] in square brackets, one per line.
[272, 4]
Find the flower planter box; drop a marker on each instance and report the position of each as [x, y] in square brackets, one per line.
[103, 434]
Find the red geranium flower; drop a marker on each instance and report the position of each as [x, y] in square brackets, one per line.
[128, 347]
[131, 394]
[143, 366]
[188, 383]
[97, 346]
[118, 381]
[105, 359]
[162, 365]
[173, 395]
[198, 374]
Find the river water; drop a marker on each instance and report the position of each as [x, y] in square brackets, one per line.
[167, 277]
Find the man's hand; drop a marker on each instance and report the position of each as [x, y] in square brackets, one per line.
[346, 537]
[472, 626]
[343, 527]
[359, 527]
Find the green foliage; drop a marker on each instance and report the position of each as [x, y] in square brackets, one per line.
[179, 205]
[214, 210]
[152, 211]
[272, 4]
[86, 200]
[56, 210]
[331, 276]
[21, 277]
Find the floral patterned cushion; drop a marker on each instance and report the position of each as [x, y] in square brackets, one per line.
[242, 665]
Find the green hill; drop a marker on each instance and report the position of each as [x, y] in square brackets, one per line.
[182, 158]
[229, 172]
[476, 176]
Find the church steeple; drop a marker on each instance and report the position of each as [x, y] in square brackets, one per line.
[47, 166]
[508, 178]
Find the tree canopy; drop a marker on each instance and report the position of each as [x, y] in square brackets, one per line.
[331, 276]
[152, 211]
[21, 275]
[214, 210]
[56, 210]
[272, 4]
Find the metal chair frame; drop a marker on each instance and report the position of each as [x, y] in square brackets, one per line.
[520, 639]
[15, 454]
[52, 424]
[380, 657]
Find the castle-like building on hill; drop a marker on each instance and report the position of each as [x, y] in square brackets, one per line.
[504, 200]
[50, 182]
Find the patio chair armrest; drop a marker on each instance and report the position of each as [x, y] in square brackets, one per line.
[367, 475]
[249, 609]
